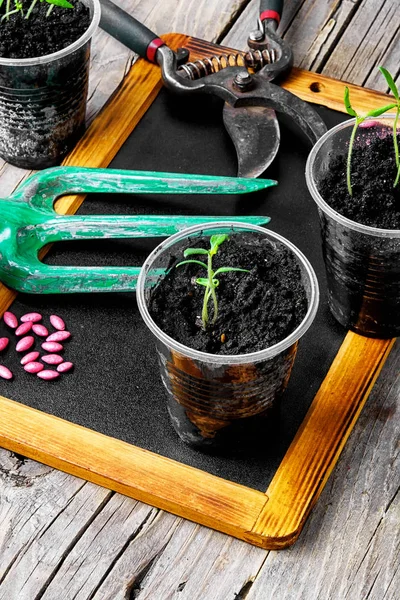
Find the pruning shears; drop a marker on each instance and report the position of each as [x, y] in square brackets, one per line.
[250, 97]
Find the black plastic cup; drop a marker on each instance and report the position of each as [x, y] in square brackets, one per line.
[362, 263]
[216, 400]
[43, 102]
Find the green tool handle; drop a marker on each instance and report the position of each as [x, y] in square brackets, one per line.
[129, 31]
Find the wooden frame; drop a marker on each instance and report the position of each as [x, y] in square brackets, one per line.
[273, 519]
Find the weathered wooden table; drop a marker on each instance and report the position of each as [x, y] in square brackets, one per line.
[61, 537]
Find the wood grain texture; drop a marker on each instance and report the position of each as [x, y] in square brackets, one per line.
[345, 40]
[116, 527]
[309, 461]
[32, 500]
[129, 470]
[349, 548]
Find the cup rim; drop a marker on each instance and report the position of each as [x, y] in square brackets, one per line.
[228, 358]
[322, 204]
[40, 60]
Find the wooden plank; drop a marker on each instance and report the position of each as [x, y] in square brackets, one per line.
[237, 510]
[309, 461]
[119, 523]
[214, 566]
[132, 471]
[345, 40]
[350, 545]
[33, 499]
[359, 51]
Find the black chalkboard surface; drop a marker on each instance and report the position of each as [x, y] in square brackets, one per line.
[115, 387]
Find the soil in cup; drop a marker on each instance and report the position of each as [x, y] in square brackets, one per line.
[375, 202]
[40, 35]
[255, 309]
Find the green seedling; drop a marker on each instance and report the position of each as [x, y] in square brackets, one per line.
[17, 6]
[395, 92]
[358, 119]
[210, 282]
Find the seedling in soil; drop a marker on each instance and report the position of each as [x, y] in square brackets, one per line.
[358, 120]
[18, 7]
[210, 282]
[395, 92]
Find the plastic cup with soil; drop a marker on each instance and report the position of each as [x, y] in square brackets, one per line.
[223, 381]
[361, 232]
[44, 69]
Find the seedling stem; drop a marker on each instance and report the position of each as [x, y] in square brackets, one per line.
[210, 282]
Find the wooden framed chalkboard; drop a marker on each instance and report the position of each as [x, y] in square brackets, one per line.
[273, 518]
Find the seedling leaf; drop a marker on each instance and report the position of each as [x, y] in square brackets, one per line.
[389, 81]
[347, 103]
[228, 269]
[62, 3]
[210, 282]
[377, 112]
[195, 262]
[191, 251]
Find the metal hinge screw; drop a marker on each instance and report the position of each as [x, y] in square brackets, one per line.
[256, 35]
[243, 80]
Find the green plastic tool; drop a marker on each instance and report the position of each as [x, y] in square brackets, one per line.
[29, 222]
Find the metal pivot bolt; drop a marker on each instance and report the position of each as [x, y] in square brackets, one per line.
[256, 35]
[243, 81]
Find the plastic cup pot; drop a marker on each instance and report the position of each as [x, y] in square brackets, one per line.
[215, 400]
[362, 262]
[43, 101]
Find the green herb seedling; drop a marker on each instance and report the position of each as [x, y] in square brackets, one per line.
[395, 92]
[210, 282]
[19, 7]
[358, 119]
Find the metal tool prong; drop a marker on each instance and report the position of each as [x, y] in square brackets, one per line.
[30, 222]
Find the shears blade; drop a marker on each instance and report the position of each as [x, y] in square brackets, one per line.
[254, 131]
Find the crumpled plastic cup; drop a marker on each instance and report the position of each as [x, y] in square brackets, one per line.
[43, 102]
[216, 400]
[362, 263]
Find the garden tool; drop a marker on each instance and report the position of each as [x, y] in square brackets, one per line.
[29, 222]
[250, 96]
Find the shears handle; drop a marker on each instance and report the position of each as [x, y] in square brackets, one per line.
[271, 10]
[129, 31]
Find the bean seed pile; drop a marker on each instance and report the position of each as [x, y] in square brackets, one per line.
[34, 362]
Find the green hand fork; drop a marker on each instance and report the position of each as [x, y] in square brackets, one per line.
[29, 222]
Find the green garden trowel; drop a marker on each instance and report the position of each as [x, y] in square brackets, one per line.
[28, 222]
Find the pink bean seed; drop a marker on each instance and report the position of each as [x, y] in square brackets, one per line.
[48, 374]
[58, 336]
[3, 343]
[40, 330]
[34, 317]
[52, 346]
[30, 357]
[34, 367]
[24, 328]
[10, 319]
[25, 343]
[52, 359]
[5, 373]
[64, 367]
[57, 322]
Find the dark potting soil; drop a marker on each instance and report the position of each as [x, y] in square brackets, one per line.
[255, 309]
[40, 34]
[375, 202]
